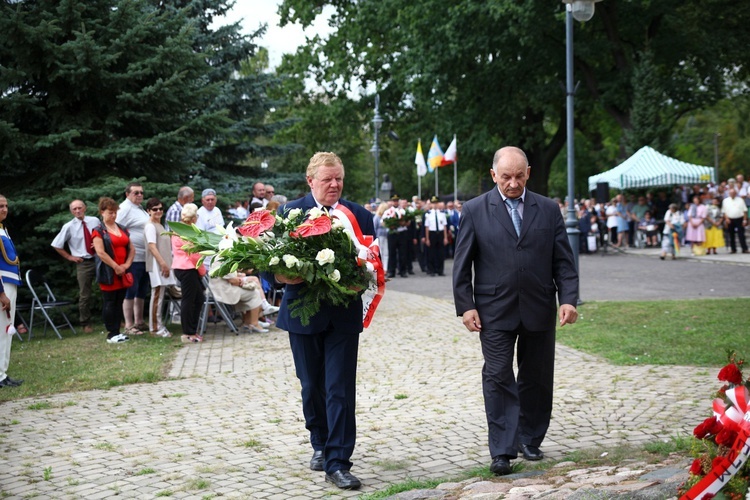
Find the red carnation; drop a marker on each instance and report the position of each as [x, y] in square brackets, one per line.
[726, 437]
[312, 227]
[257, 223]
[717, 462]
[696, 469]
[710, 426]
[731, 373]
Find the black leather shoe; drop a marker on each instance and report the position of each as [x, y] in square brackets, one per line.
[500, 465]
[7, 382]
[14, 381]
[344, 480]
[531, 452]
[317, 460]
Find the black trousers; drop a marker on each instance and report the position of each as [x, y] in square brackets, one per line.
[112, 310]
[736, 227]
[192, 301]
[397, 252]
[518, 408]
[436, 253]
[326, 365]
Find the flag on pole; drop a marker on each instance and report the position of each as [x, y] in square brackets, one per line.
[450, 153]
[419, 160]
[435, 155]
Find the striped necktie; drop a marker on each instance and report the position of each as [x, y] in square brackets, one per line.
[513, 205]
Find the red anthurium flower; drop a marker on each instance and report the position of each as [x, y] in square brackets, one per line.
[696, 469]
[731, 373]
[314, 227]
[257, 223]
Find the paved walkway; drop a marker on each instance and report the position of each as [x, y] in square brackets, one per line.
[228, 423]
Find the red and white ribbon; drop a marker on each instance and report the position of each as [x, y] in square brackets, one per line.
[368, 252]
[735, 418]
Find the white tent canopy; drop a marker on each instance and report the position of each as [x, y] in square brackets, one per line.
[649, 168]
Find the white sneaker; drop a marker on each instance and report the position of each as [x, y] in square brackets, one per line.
[117, 339]
[163, 332]
[269, 309]
[263, 324]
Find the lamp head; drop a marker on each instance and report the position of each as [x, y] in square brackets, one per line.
[582, 10]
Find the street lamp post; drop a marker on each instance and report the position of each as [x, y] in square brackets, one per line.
[581, 10]
[377, 121]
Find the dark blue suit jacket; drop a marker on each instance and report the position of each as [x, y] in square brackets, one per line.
[339, 318]
[516, 279]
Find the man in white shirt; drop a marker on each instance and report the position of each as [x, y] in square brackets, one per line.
[209, 215]
[77, 234]
[134, 218]
[734, 210]
[436, 238]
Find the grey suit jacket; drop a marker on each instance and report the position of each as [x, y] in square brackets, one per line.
[513, 280]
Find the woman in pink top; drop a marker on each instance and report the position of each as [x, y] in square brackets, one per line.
[190, 278]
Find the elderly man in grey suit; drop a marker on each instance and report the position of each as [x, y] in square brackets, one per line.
[515, 242]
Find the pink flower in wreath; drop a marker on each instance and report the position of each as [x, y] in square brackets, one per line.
[731, 373]
[257, 223]
[312, 227]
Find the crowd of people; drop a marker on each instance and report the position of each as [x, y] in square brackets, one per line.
[706, 217]
[129, 254]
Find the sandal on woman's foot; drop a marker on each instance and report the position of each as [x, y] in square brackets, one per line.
[22, 330]
[133, 331]
[191, 339]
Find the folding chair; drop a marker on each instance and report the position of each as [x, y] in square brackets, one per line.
[221, 309]
[45, 301]
[22, 308]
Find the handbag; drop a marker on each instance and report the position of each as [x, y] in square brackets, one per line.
[127, 279]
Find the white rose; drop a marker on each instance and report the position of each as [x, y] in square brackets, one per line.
[295, 212]
[336, 223]
[335, 275]
[314, 213]
[274, 260]
[290, 260]
[325, 256]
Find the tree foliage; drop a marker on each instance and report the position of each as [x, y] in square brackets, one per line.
[95, 94]
[492, 72]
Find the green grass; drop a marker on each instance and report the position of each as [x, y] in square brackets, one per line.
[83, 362]
[680, 332]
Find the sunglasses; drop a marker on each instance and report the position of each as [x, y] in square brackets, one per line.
[136, 192]
[157, 209]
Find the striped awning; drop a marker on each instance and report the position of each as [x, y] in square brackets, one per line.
[649, 168]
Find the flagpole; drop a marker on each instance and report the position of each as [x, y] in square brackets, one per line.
[455, 174]
[436, 180]
[419, 177]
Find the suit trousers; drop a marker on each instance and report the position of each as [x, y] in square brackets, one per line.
[436, 253]
[518, 408]
[397, 252]
[86, 274]
[326, 365]
[736, 227]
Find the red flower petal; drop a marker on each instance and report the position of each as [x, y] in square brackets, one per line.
[731, 373]
[696, 469]
[312, 227]
[257, 223]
